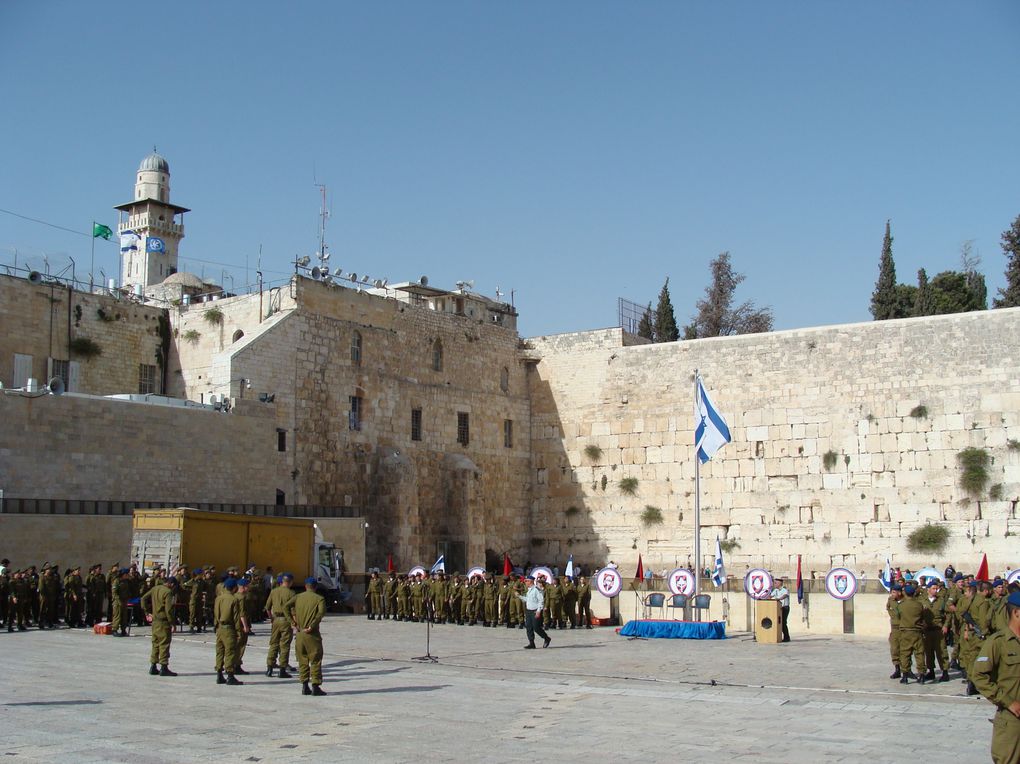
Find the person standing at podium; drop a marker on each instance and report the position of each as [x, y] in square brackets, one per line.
[781, 593]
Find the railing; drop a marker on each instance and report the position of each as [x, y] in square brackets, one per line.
[20, 506]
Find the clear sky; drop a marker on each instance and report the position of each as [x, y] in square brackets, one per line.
[573, 152]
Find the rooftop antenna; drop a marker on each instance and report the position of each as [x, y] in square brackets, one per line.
[323, 216]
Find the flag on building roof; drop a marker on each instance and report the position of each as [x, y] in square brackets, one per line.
[710, 430]
[100, 231]
[440, 565]
[719, 571]
[129, 241]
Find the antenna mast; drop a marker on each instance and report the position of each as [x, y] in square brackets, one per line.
[323, 215]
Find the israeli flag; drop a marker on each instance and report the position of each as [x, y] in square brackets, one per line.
[719, 573]
[155, 244]
[440, 565]
[129, 242]
[886, 577]
[569, 570]
[710, 430]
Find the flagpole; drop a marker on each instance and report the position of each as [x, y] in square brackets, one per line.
[92, 262]
[697, 505]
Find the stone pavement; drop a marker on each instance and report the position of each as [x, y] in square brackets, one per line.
[76, 697]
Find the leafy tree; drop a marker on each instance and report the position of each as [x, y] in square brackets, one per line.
[924, 304]
[951, 293]
[906, 300]
[645, 328]
[717, 316]
[665, 322]
[1010, 296]
[884, 300]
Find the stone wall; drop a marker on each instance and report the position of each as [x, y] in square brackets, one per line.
[65, 540]
[891, 403]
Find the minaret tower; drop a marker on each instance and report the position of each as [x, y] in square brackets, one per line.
[151, 228]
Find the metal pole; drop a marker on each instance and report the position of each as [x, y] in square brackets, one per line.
[697, 503]
[92, 262]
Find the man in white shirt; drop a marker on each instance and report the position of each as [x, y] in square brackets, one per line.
[534, 601]
[781, 593]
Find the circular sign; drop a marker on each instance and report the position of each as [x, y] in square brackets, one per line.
[1013, 577]
[929, 573]
[476, 571]
[841, 583]
[758, 583]
[681, 581]
[608, 582]
[415, 571]
[544, 573]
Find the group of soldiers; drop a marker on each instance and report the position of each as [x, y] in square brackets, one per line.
[42, 597]
[480, 599]
[931, 623]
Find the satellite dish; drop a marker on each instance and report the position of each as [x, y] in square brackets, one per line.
[56, 386]
[327, 279]
[385, 282]
[378, 283]
[303, 261]
[352, 276]
[316, 273]
[424, 281]
[35, 277]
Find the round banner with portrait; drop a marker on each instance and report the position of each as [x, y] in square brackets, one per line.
[608, 582]
[415, 571]
[841, 583]
[758, 583]
[477, 570]
[681, 581]
[542, 573]
[1013, 577]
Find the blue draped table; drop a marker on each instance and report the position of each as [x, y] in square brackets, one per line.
[674, 630]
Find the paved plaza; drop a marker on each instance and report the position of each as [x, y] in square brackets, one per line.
[592, 695]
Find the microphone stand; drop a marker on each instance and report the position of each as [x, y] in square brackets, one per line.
[428, 657]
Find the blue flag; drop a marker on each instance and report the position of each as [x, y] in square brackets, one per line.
[440, 565]
[719, 571]
[710, 430]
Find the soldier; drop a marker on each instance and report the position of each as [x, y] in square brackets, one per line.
[996, 674]
[892, 607]
[417, 599]
[306, 612]
[999, 598]
[242, 633]
[5, 590]
[32, 578]
[440, 597]
[505, 593]
[911, 636]
[211, 593]
[112, 574]
[489, 598]
[49, 593]
[936, 627]
[95, 594]
[584, 602]
[554, 604]
[280, 638]
[196, 600]
[569, 602]
[516, 604]
[467, 602]
[373, 597]
[19, 601]
[390, 597]
[227, 621]
[119, 597]
[160, 604]
[73, 599]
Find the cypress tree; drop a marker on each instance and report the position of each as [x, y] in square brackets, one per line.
[665, 321]
[1009, 297]
[924, 304]
[884, 298]
[645, 328]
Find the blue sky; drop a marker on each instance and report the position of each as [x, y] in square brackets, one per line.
[571, 152]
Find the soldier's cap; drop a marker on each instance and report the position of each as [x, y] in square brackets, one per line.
[897, 587]
[197, 572]
[908, 589]
[243, 582]
[958, 577]
[1013, 599]
[310, 581]
[124, 571]
[172, 580]
[973, 583]
[934, 582]
[998, 582]
[46, 565]
[288, 576]
[230, 583]
[529, 578]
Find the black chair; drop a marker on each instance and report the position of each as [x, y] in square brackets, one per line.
[654, 600]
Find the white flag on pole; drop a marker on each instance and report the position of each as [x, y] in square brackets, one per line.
[719, 574]
[440, 565]
[710, 430]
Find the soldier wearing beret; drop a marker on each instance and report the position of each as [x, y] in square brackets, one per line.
[912, 624]
[281, 635]
[584, 602]
[160, 604]
[245, 629]
[119, 596]
[227, 620]
[892, 607]
[996, 674]
[306, 612]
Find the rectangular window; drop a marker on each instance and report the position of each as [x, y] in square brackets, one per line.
[60, 369]
[22, 369]
[508, 433]
[463, 431]
[147, 378]
[281, 440]
[355, 415]
[415, 424]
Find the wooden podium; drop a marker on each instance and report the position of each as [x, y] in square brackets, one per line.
[768, 621]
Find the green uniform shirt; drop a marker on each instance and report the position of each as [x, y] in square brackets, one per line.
[160, 602]
[227, 611]
[307, 610]
[996, 671]
[277, 601]
[911, 614]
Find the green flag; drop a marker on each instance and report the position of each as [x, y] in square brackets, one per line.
[100, 231]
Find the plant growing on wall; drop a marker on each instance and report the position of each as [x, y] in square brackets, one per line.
[214, 316]
[1013, 445]
[829, 459]
[191, 336]
[604, 482]
[928, 538]
[593, 452]
[995, 493]
[974, 463]
[919, 412]
[651, 516]
[728, 545]
[628, 485]
[573, 511]
[104, 316]
[85, 347]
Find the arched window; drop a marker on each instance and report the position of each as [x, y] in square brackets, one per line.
[237, 335]
[356, 348]
[504, 379]
[437, 356]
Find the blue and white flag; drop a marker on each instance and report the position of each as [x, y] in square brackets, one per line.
[129, 242]
[710, 430]
[155, 244]
[719, 573]
[886, 577]
[569, 570]
[440, 565]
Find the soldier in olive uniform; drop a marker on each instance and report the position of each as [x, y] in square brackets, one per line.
[245, 630]
[280, 638]
[936, 626]
[403, 599]
[505, 593]
[74, 598]
[999, 597]
[912, 636]
[18, 601]
[118, 595]
[417, 599]
[489, 599]
[996, 674]
[227, 620]
[373, 597]
[160, 603]
[892, 607]
[49, 593]
[95, 595]
[196, 600]
[569, 602]
[554, 604]
[390, 597]
[584, 602]
[306, 612]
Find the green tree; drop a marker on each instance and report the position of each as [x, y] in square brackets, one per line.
[717, 316]
[645, 328]
[924, 304]
[1009, 297]
[665, 321]
[906, 301]
[950, 293]
[884, 300]
[970, 261]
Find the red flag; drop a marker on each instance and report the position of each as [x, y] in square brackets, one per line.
[982, 574]
[508, 567]
[389, 565]
[800, 582]
[640, 570]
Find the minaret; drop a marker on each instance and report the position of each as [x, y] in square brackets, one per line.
[150, 255]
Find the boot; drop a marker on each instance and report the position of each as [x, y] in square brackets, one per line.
[231, 679]
[945, 676]
[317, 690]
[192, 630]
[895, 674]
[930, 676]
[165, 671]
[290, 668]
[971, 689]
[922, 678]
[269, 671]
[219, 678]
[153, 670]
[123, 632]
[903, 679]
[305, 689]
[284, 674]
[954, 664]
[240, 671]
